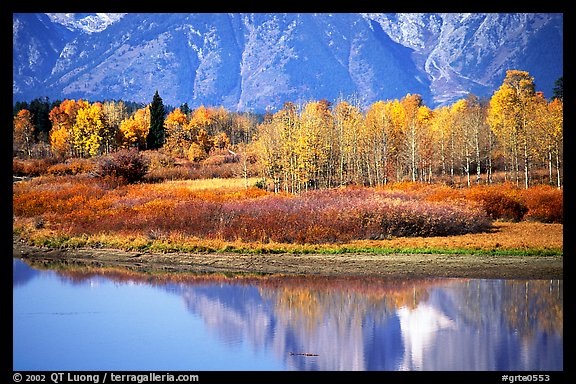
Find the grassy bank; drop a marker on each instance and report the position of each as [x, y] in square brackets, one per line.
[527, 238]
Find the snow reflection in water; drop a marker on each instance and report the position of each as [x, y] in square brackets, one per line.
[104, 319]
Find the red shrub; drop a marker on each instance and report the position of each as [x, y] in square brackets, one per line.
[128, 165]
[331, 216]
[80, 204]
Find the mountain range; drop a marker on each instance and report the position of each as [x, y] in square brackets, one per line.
[258, 61]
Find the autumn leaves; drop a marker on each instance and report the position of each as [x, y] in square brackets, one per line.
[515, 133]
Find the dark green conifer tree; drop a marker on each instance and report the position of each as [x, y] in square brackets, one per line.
[185, 109]
[558, 91]
[156, 135]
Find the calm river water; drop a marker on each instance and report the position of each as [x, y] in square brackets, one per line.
[116, 320]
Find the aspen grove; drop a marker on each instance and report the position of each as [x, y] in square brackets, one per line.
[516, 134]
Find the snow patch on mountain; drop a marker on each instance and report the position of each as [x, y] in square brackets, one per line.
[88, 23]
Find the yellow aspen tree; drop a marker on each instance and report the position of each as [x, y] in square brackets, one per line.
[242, 129]
[440, 128]
[347, 125]
[332, 148]
[178, 139]
[482, 139]
[466, 136]
[377, 123]
[23, 130]
[341, 113]
[60, 142]
[474, 122]
[303, 146]
[508, 116]
[79, 133]
[221, 122]
[411, 104]
[63, 118]
[547, 117]
[128, 129]
[287, 122]
[201, 119]
[556, 118]
[397, 135]
[91, 135]
[503, 129]
[196, 153]
[134, 130]
[268, 146]
[425, 143]
[556, 133]
[313, 145]
[107, 132]
[221, 141]
[456, 136]
[204, 140]
[115, 112]
[364, 153]
[248, 155]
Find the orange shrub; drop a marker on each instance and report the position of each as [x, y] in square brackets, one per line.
[72, 166]
[158, 159]
[31, 167]
[59, 169]
[545, 204]
[442, 193]
[500, 206]
[508, 202]
[501, 201]
[55, 195]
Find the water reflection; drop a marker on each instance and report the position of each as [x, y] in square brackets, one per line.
[319, 323]
[22, 273]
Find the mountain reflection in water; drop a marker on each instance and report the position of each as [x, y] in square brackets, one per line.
[360, 323]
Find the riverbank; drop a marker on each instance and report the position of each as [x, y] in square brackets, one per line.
[394, 265]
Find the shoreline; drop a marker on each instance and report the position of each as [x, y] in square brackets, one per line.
[401, 266]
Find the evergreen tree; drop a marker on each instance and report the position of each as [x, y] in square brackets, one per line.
[185, 109]
[20, 105]
[155, 138]
[558, 91]
[39, 109]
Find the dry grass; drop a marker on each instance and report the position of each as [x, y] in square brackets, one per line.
[204, 184]
[505, 235]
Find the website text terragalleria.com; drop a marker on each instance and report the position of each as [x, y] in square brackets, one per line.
[132, 378]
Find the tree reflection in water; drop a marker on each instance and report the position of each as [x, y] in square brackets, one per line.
[370, 323]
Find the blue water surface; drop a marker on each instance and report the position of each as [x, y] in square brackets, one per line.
[98, 321]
